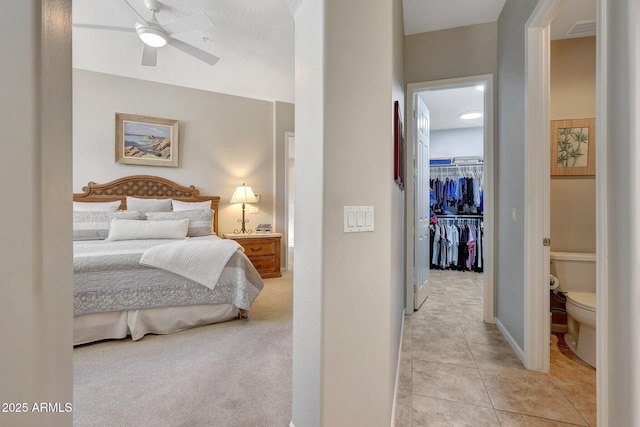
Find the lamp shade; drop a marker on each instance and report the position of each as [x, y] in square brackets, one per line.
[243, 194]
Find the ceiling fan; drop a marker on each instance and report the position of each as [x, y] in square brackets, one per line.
[154, 35]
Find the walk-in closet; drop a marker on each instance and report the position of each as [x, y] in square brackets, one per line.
[456, 200]
[456, 178]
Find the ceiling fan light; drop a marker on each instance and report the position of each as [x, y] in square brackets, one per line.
[152, 37]
[470, 116]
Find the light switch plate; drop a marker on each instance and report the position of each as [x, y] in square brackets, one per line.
[358, 219]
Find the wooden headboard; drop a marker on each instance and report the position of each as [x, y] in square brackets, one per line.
[145, 187]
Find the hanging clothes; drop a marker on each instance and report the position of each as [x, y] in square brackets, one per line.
[456, 245]
[455, 194]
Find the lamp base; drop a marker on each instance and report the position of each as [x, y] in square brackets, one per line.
[242, 222]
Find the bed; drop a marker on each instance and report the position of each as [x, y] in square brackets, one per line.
[136, 282]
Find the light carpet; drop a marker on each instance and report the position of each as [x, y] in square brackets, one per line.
[236, 373]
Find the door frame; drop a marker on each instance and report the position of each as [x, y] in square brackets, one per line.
[536, 320]
[537, 325]
[489, 185]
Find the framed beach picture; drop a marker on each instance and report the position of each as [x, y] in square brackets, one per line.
[150, 141]
[573, 149]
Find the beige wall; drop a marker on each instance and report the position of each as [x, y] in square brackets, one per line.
[348, 290]
[456, 52]
[361, 310]
[573, 96]
[35, 248]
[398, 243]
[224, 140]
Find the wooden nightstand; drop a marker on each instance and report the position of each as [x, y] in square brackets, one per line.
[263, 249]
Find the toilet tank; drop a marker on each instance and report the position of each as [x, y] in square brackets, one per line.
[576, 271]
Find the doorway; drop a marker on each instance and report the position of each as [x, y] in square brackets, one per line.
[537, 210]
[414, 293]
[289, 234]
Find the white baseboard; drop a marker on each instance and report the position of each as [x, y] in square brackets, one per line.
[510, 340]
[395, 390]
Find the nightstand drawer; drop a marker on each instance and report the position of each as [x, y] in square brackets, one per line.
[263, 250]
[259, 247]
[265, 264]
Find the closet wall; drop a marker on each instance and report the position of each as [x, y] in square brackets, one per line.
[456, 142]
[573, 96]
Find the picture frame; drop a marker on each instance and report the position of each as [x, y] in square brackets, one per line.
[573, 149]
[148, 141]
[398, 147]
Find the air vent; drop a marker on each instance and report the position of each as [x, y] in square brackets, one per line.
[582, 28]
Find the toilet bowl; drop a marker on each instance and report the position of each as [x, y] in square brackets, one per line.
[576, 274]
[581, 325]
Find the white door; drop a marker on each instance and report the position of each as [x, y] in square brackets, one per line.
[421, 188]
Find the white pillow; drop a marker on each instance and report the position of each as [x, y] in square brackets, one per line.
[148, 205]
[125, 229]
[200, 220]
[94, 225]
[189, 206]
[96, 206]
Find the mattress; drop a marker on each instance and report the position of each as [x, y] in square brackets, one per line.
[109, 278]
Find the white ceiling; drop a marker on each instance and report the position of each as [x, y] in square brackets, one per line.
[253, 38]
[421, 16]
[573, 11]
[446, 106]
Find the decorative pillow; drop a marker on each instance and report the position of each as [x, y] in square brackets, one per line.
[189, 206]
[200, 221]
[125, 229]
[96, 206]
[94, 225]
[148, 205]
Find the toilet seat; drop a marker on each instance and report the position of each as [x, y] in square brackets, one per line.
[584, 300]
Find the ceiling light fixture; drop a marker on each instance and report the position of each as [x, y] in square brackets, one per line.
[151, 36]
[470, 116]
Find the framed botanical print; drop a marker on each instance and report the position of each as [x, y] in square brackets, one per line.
[573, 149]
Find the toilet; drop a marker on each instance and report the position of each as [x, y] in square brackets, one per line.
[574, 274]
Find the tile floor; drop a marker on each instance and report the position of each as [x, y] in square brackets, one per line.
[458, 371]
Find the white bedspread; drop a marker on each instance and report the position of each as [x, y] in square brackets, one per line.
[200, 261]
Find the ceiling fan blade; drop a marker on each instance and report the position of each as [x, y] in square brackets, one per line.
[135, 12]
[149, 56]
[105, 27]
[198, 22]
[194, 51]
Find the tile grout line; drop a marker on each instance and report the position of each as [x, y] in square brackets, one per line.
[445, 304]
[568, 399]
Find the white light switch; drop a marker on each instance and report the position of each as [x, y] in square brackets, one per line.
[351, 220]
[358, 219]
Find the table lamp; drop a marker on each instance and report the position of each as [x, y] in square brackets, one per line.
[243, 194]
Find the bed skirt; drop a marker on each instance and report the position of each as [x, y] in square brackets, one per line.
[138, 323]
